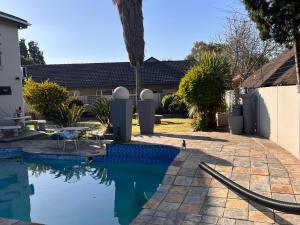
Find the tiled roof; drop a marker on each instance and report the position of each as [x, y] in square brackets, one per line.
[110, 74]
[279, 71]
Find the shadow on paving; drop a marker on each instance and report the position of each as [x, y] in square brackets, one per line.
[192, 158]
[269, 213]
[190, 137]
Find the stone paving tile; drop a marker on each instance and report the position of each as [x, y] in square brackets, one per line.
[202, 182]
[284, 218]
[281, 180]
[168, 179]
[212, 211]
[237, 204]
[168, 206]
[284, 197]
[226, 221]
[193, 217]
[236, 213]
[181, 190]
[245, 222]
[151, 204]
[282, 188]
[257, 207]
[173, 170]
[259, 171]
[190, 208]
[264, 217]
[190, 172]
[174, 197]
[218, 192]
[183, 180]
[241, 170]
[209, 219]
[214, 201]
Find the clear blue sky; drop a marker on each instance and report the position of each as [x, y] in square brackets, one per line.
[74, 31]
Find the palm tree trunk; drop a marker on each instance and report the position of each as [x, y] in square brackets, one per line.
[297, 58]
[138, 83]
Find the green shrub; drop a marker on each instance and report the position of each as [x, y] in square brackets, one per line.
[173, 104]
[75, 101]
[203, 87]
[200, 122]
[44, 97]
[66, 116]
[102, 112]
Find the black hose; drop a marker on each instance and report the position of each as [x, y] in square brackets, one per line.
[287, 207]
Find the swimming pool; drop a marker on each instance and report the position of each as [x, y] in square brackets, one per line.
[63, 192]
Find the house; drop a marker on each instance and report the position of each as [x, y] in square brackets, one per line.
[276, 98]
[278, 72]
[10, 65]
[99, 79]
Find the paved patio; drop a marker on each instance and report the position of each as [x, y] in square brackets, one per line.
[189, 196]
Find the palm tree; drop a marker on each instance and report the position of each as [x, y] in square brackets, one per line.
[131, 16]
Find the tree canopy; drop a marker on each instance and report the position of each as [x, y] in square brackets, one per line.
[242, 47]
[44, 97]
[203, 88]
[201, 47]
[278, 20]
[31, 53]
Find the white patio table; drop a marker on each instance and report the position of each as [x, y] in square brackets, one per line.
[72, 130]
[16, 119]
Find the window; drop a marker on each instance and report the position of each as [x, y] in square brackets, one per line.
[107, 92]
[99, 92]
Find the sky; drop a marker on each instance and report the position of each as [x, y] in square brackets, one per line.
[87, 31]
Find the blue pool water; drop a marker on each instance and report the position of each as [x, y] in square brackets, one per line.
[60, 192]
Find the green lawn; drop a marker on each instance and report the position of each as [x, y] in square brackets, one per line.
[168, 125]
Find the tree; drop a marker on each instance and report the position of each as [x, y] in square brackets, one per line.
[131, 16]
[200, 47]
[203, 89]
[66, 115]
[102, 112]
[25, 58]
[30, 55]
[279, 21]
[35, 53]
[244, 49]
[44, 97]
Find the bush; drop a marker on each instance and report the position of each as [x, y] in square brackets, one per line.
[67, 116]
[44, 97]
[75, 101]
[203, 87]
[173, 104]
[102, 112]
[200, 122]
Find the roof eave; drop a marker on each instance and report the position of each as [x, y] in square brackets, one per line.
[22, 24]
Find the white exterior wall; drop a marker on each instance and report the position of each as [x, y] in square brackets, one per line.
[10, 69]
[278, 116]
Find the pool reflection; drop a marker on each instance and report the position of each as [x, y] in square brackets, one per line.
[133, 184]
[14, 190]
